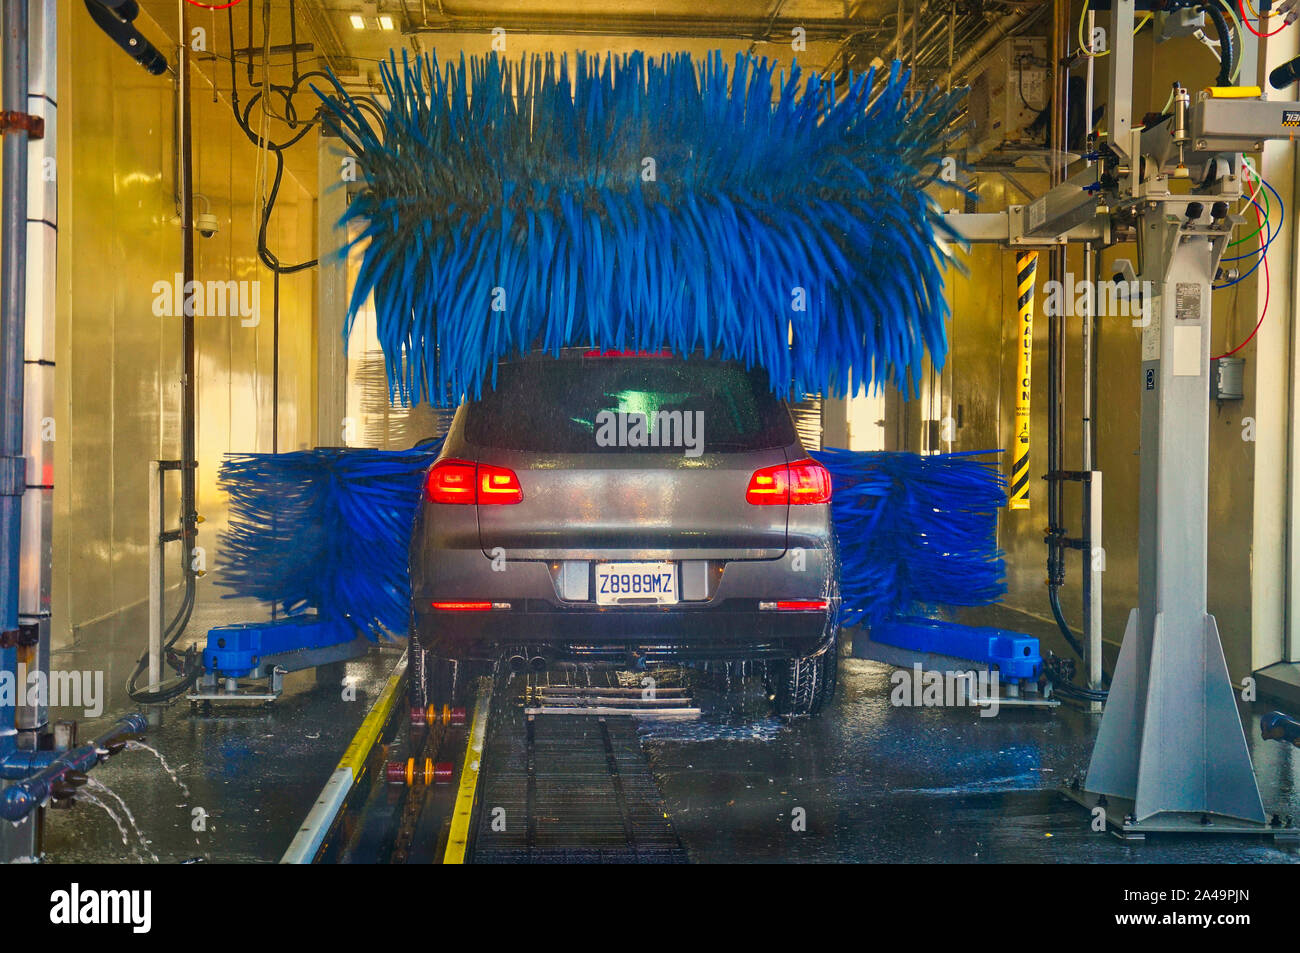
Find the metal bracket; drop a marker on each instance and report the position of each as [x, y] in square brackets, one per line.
[12, 121]
[29, 633]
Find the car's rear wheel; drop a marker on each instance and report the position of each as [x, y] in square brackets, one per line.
[804, 686]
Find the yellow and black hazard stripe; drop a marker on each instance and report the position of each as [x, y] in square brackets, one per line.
[1026, 277]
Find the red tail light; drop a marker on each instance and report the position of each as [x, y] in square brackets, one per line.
[450, 481]
[801, 482]
[810, 482]
[458, 481]
[498, 485]
[769, 486]
[463, 606]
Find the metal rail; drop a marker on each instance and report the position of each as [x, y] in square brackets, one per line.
[324, 814]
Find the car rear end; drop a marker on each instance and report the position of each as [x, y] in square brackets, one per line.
[555, 528]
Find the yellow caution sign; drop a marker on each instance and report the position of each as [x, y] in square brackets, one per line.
[1026, 277]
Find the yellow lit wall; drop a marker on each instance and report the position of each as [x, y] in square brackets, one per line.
[119, 365]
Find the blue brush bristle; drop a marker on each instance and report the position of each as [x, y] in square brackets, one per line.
[326, 530]
[329, 530]
[640, 204]
[915, 531]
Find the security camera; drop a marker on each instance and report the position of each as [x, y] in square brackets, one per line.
[206, 223]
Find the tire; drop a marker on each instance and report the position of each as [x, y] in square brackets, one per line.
[804, 686]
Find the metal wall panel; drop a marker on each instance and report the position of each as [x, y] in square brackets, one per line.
[119, 365]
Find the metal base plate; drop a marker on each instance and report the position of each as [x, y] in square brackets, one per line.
[1119, 822]
[225, 697]
[669, 703]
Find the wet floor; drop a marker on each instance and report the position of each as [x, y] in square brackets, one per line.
[878, 783]
[252, 772]
[867, 781]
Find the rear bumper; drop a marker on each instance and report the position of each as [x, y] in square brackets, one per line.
[729, 631]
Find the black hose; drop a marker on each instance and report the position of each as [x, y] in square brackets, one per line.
[170, 636]
[1054, 597]
[264, 253]
[1080, 694]
[1228, 51]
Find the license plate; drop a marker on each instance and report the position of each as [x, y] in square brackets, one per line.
[624, 584]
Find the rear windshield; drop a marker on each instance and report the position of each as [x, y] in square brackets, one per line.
[600, 404]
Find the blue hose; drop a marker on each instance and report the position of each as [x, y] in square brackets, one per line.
[20, 799]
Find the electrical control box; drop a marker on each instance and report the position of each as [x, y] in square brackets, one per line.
[1227, 378]
[1007, 96]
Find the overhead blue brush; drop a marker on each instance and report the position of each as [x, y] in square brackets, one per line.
[640, 204]
[324, 529]
[915, 531]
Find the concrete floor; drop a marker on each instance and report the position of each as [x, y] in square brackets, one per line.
[875, 782]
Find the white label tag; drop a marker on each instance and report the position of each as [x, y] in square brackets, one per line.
[1187, 350]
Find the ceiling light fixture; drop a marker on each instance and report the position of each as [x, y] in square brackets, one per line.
[358, 21]
[385, 23]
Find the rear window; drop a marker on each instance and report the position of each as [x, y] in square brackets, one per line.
[599, 404]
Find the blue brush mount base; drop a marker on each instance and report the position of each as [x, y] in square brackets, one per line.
[936, 645]
[1013, 654]
[270, 650]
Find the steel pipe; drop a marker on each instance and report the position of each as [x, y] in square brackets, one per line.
[20, 799]
[13, 318]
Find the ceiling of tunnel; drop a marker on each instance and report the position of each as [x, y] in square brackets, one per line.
[325, 33]
[273, 37]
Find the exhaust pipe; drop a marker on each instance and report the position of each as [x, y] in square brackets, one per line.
[517, 660]
[538, 663]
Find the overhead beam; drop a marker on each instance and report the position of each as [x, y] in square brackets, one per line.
[759, 29]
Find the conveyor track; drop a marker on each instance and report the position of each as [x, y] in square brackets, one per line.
[567, 787]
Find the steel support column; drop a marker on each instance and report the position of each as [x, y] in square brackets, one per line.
[1171, 753]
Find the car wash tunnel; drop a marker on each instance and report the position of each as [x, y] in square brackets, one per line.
[486, 432]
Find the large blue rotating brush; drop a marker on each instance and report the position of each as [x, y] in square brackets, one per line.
[639, 204]
[915, 531]
[325, 529]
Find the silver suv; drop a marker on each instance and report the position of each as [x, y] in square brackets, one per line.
[630, 508]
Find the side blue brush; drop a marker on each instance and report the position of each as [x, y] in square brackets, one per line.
[915, 531]
[324, 530]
